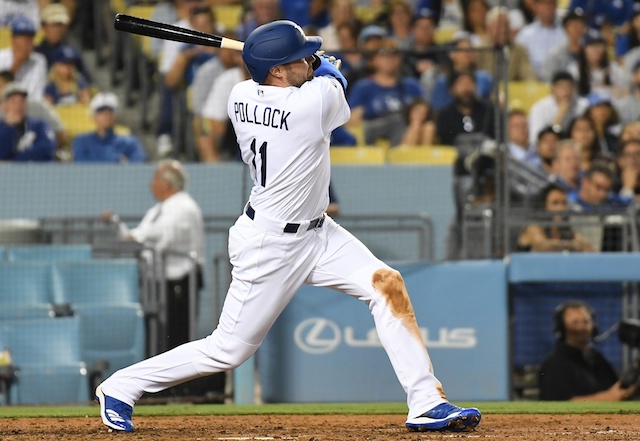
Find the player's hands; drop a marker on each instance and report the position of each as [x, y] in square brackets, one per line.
[330, 58]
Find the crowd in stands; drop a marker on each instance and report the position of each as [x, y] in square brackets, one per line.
[421, 73]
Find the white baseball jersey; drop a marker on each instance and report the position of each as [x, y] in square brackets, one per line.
[283, 133]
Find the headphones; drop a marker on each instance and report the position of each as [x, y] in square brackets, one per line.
[558, 318]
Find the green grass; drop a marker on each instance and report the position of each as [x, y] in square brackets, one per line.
[509, 407]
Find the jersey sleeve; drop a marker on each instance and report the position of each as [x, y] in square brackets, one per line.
[335, 108]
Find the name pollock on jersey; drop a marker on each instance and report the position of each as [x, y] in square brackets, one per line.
[266, 116]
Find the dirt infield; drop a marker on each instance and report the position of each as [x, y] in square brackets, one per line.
[323, 428]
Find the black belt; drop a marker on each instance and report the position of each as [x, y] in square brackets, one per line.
[289, 228]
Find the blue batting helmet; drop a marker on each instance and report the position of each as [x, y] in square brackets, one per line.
[276, 43]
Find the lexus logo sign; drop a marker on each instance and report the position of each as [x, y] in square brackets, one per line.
[317, 335]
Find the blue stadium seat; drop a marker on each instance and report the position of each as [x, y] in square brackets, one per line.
[114, 333]
[25, 290]
[47, 353]
[96, 281]
[49, 252]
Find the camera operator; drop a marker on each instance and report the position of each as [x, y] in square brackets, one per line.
[575, 370]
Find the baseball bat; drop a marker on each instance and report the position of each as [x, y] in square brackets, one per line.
[164, 31]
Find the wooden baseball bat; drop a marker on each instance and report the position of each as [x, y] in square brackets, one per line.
[164, 31]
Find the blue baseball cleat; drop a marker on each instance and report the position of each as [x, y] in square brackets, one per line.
[445, 417]
[115, 414]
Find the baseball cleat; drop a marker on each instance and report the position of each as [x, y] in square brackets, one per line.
[445, 417]
[115, 414]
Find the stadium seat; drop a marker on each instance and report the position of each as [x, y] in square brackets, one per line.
[47, 353]
[5, 37]
[523, 94]
[432, 155]
[25, 290]
[228, 16]
[112, 333]
[360, 155]
[77, 119]
[96, 282]
[49, 252]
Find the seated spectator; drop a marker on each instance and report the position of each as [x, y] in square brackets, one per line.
[543, 34]
[627, 179]
[575, 370]
[448, 13]
[399, 20]
[628, 106]
[10, 9]
[305, 12]
[421, 127]
[353, 60]
[23, 138]
[564, 57]
[340, 12]
[380, 100]
[548, 139]
[594, 71]
[104, 145]
[582, 130]
[475, 21]
[190, 56]
[424, 57]
[369, 41]
[498, 35]
[628, 37]
[630, 130]
[55, 26]
[554, 234]
[39, 109]
[66, 85]
[595, 191]
[518, 135]
[462, 60]
[261, 12]
[607, 122]
[467, 113]
[600, 11]
[565, 165]
[212, 143]
[28, 67]
[559, 108]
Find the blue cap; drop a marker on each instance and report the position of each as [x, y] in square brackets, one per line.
[599, 97]
[21, 25]
[371, 31]
[64, 54]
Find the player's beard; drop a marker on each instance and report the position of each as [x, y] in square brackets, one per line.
[297, 79]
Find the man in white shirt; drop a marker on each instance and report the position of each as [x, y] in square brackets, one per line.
[174, 224]
[27, 66]
[559, 108]
[543, 34]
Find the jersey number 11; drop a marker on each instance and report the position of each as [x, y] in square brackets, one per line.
[262, 151]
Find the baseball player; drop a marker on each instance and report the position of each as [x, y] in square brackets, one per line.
[283, 118]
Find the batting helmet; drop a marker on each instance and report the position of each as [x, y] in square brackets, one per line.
[276, 43]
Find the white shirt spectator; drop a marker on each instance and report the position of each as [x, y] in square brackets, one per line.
[171, 49]
[216, 105]
[177, 225]
[32, 74]
[538, 40]
[544, 111]
[203, 81]
[10, 8]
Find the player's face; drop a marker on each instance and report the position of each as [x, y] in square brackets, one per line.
[298, 72]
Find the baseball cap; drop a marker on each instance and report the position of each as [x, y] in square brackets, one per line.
[371, 31]
[598, 98]
[102, 101]
[21, 25]
[55, 13]
[64, 54]
[12, 89]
